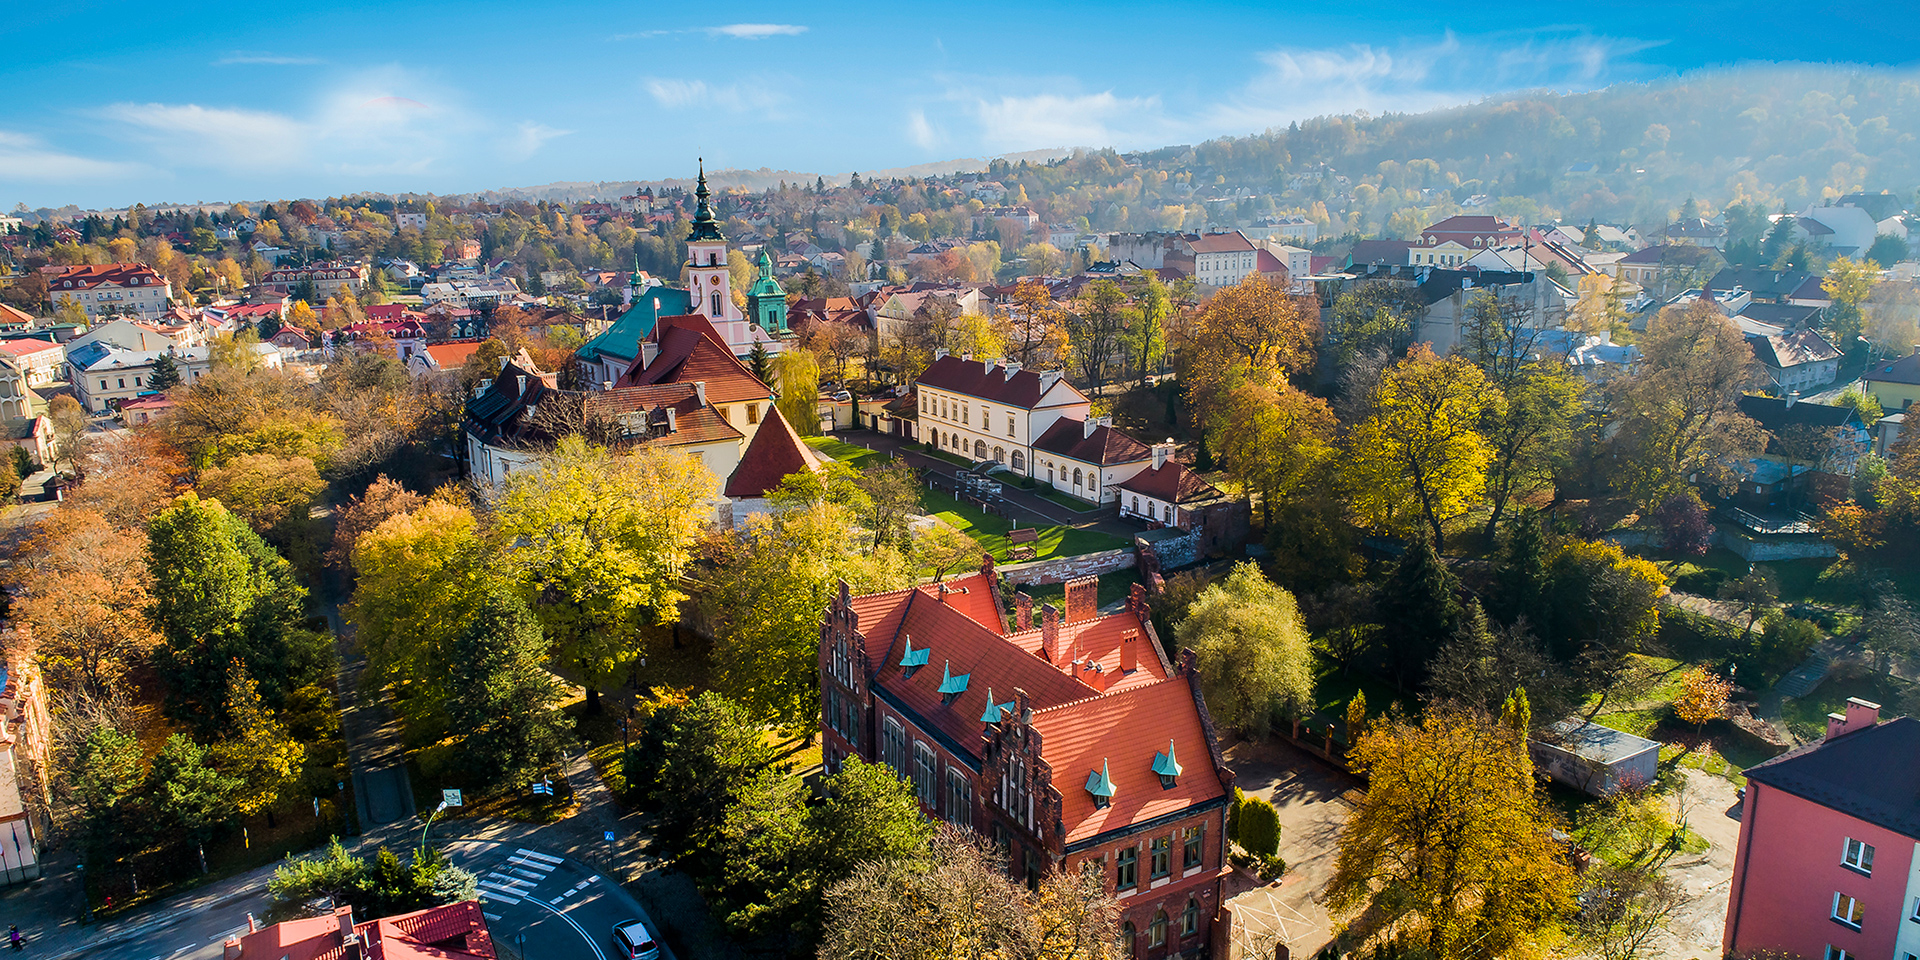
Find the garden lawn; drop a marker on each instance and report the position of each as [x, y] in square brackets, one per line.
[1333, 690]
[991, 532]
[1806, 717]
[847, 453]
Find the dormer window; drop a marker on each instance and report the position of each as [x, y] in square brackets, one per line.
[951, 685]
[1167, 767]
[995, 710]
[911, 659]
[1100, 786]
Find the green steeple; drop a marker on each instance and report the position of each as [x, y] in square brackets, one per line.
[705, 227]
[767, 299]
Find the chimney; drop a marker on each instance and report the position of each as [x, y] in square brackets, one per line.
[1087, 427]
[1793, 398]
[673, 420]
[986, 569]
[940, 353]
[1022, 611]
[230, 950]
[1860, 715]
[523, 382]
[1010, 366]
[1130, 651]
[343, 916]
[700, 392]
[1162, 452]
[606, 384]
[1050, 634]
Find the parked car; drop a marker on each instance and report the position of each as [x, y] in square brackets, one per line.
[633, 941]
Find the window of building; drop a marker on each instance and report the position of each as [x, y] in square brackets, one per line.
[1195, 844]
[717, 312]
[1847, 910]
[1190, 919]
[1009, 424]
[1858, 856]
[753, 413]
[1914, 914]
[1126, 868]
[959, 798]
[1128, 937]
[103, 384]
[893, 746]
[1136, 505]
[1000, 454]
[1162, 857]
[963, 413]
[923, 774]
[1019, 462]
[1835, 953]
[1157, 930]
[980, 450]
[123, 383]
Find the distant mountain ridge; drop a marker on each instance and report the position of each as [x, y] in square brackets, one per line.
[753, 180]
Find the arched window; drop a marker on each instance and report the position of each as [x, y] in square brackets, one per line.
[1136, 505]
[1128, 939]
[1150, 516]
[1019, 461]
[1190, 919]
[1000, 454]
[716, 305]
[1078, 478]
[1157, 930]
[979, 449]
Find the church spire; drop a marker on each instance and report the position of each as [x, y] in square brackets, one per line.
[705, 227]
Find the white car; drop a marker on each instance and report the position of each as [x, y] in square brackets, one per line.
[634, 942]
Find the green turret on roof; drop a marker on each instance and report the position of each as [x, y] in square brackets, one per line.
[705, 227]
[767, 299]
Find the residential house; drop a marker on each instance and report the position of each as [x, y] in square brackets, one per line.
[1222, 259]
[329, 280]
[457, 931]
[1828, 861]
[1697, 232]
[1295, 228]
[1167, 493]
[896, 308]
[410, 221]
[291, 342]
[687, 349]
[1886, 433]
[104, 375]
[112, 289]
[1796, 361]
[1808, 437]
[17, 398]
[1391, 252]
[992, 410]
[1895, 382]
[31, 433]
[1448, 295]
[1471, 231]
[446, 357]
[1779, 317]
[470, 293]
[141, 411]
[1664, 270]
[24, 744]
[1068, 741]
[123, 334]
[1774, 287]
[1848, 230]
[35, 361]
[1088, 458]
[1447, 254]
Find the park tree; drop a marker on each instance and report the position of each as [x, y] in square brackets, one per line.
[893, 490]
[796, 385]
[1254, 655]
[943, 549]
[259, 753]
[1372, 316]
[1451, 833]
[1683, 525]
[1095, 327]
[1253, 331]
[1754, 593]
[702, 754]
[1482, 664]
[1036, 330]
[1890, 318]
[766, 602]
[1849, 282]
[1418, 609]
[274, 495]
[1679, 422]
[422, 579]
[360, 515]
[599, 545]
[1146, 337]
[190, 797]
[501, 697]
[130, 479]
[1703, 697]
[1274, 439]
[1418, 458]
[230, 597]
[100, 776]
[1529, 430]
[1624, 910]
[1501, 336]
[83, 589]
[166, 373]
[70, 423]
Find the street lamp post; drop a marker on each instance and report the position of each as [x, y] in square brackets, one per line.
[423, 830]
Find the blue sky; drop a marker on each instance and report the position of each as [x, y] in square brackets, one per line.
[107, 102]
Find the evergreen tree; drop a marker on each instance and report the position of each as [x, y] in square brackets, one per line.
[166, 373]
[502, 697]
[1520, 578]
[1419, 610]
[758, 363]
[190, 797]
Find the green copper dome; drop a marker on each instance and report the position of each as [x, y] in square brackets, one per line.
[705, 227]
[766, 285]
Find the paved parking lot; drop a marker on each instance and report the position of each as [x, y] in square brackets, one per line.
[1313, 799]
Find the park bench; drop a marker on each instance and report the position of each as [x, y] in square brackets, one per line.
[1020, 543]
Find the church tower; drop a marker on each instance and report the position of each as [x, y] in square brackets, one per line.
[767, 300]
[708, 284]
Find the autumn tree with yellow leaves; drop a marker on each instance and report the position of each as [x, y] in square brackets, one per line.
[1419, 458]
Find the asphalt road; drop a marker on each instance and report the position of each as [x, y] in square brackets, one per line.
[557, 908]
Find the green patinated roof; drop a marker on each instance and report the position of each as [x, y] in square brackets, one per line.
[766, 285]
[914, 658]
[705, 227]
[622, 339]
[994, 711]
[1164, 764]
[953, 683]
[1100, 784]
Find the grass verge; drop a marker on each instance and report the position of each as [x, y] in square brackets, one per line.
[991, 532]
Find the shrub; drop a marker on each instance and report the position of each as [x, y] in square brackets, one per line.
[1233, 814]
[1259, 828]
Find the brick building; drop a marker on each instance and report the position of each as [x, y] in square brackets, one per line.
[1069, 740]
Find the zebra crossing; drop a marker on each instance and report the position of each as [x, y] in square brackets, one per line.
[515, 878]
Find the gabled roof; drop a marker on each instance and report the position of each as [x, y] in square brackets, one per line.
[12, 314]
[116, 274]
[691, 350]
[456, 931]
[1812, 288]
[27, 346]
[1784, 350]
[693, 422]
[774, 453]
[1871, 774]
[1903, 369]
[1474, 224]
[1784, 315]
[452, 356]
[1380, 251]
[1124, 732]
[1776, 414]
[989, 381]
[1230, 242]
[1105, 446]
[622, 339]
[1171, 482]
[1683, 254]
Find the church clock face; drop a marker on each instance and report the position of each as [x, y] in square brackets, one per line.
[713, 280]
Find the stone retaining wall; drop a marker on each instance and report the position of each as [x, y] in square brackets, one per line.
[1786, 547]
[1062, 569]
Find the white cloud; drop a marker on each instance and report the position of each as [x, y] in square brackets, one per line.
[27, 158]
[757, 31]
[676, 94]
[532, 137]
[265, 59]
[1055, 120]
[920, 131]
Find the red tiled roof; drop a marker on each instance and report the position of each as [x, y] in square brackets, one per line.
[975, 379]
[452, 356]
[122, 274]
[691, 350]
[1171, 482]
[1266, 262]
[1123, 730]
[693, 421]
[774, 453]
[27, 346]
[457, 931]
[1105, 446]
[1221, 243]
[10, 314]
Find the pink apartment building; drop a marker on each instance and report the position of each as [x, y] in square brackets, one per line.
[1828, 866]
